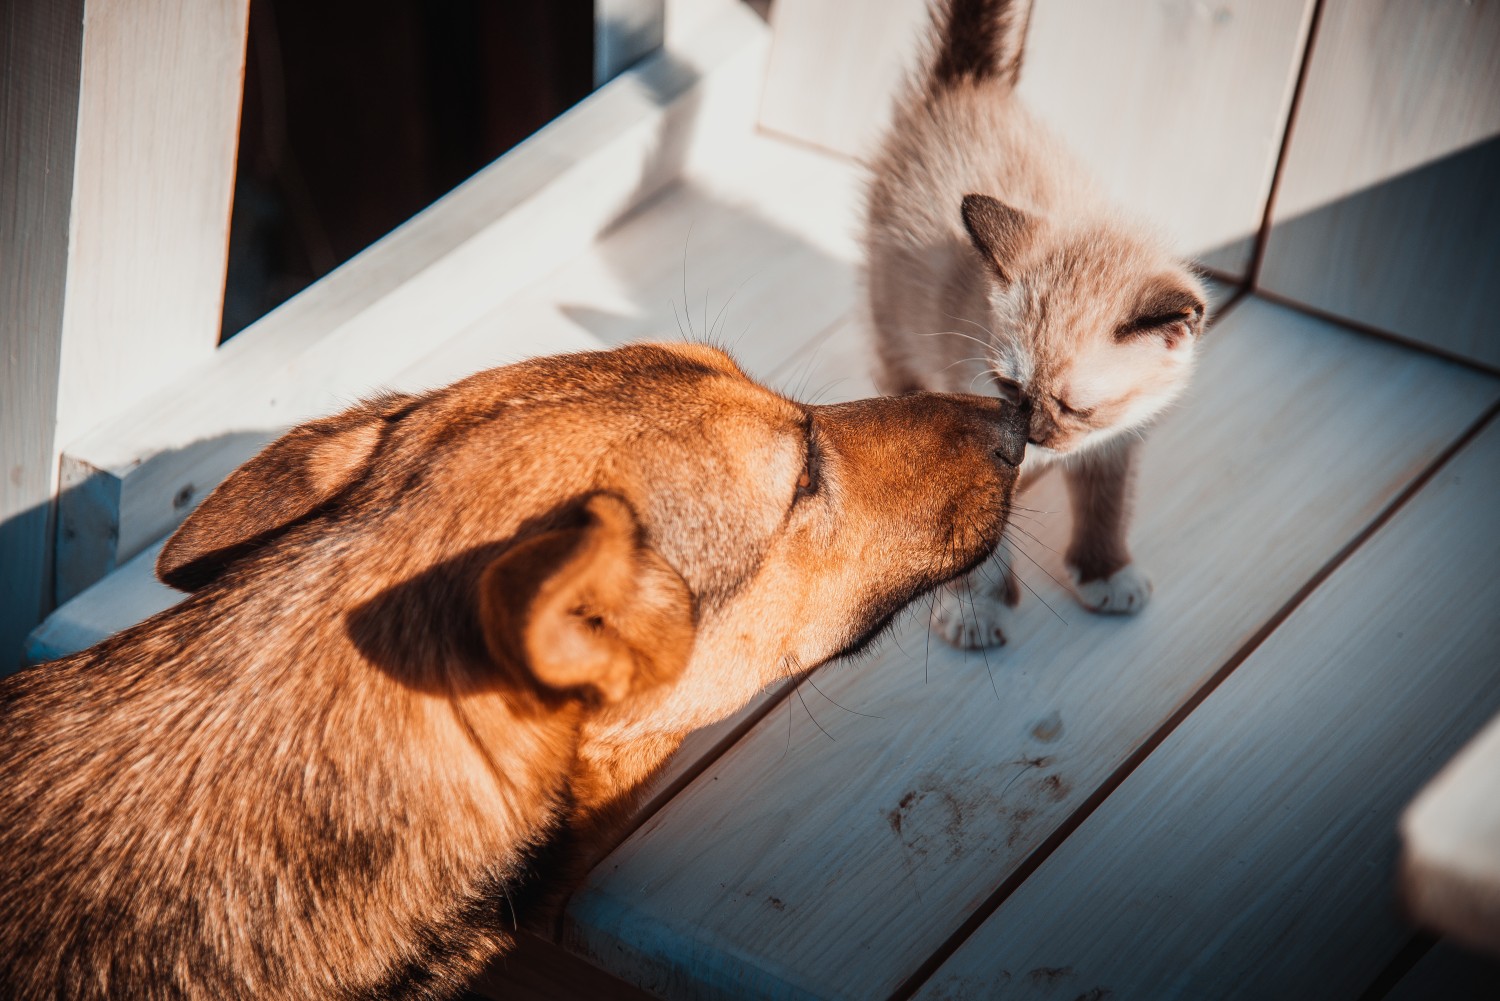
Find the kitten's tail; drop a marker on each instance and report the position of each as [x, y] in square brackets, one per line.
[978, 40]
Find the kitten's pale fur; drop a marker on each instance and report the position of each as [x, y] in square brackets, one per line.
[994, 263]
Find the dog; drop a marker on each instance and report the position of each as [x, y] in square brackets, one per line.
[429, 633]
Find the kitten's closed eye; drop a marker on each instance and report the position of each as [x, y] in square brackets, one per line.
[1082, 413]
[1173, 313]
[1143, 323]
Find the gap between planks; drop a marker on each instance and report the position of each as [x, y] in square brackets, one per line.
[1103, 791]
[1379, 334]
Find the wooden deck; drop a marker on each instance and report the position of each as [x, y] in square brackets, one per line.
[1200, 802]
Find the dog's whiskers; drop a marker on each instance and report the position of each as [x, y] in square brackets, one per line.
[1032, 537]
[984, 652]
[810, 715]
[846, 709]
[1033, 590]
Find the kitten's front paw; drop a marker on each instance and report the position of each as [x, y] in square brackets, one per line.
[969, 618]
[1123, 592]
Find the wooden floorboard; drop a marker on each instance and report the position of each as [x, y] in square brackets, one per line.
[757, 257]
[1254, 854]
[799, 864]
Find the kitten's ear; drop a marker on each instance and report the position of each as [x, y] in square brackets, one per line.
[998, 231]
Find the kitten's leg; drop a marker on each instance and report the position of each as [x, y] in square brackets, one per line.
[971, 612]
[1101, 487]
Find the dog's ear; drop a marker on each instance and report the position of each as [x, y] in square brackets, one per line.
[589, 607]
[289, 479]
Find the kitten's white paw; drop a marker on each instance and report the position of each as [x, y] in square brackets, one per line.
[1123, 592]
[969, 619]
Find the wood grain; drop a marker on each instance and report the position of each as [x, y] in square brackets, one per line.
[1387, 210]
[125, 120]
[158, 126]
[802, 865]
[503, 230]
[1253, 855]
[41, 46]
[835, 66]
[753, 251]
[1178, 107]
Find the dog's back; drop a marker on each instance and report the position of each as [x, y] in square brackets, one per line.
[212, 834]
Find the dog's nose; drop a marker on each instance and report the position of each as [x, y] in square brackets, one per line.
[1015, 428]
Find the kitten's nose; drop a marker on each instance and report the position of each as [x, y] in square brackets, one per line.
[1015, 428]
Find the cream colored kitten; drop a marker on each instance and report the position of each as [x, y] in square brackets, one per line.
[994, 263]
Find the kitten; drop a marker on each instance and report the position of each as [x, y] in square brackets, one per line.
[993, 259]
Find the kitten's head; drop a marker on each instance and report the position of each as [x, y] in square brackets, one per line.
[1092, 323]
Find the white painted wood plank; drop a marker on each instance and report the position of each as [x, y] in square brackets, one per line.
[1252, 855]
[120, 124]
[503, 230]
[41, 46]
[1387, 212]
[129, 595]
[153, 177]
[799, 865]
[756, 254]
[1178, 107]
[1448, 973]
[835, 67]
[1451, 835]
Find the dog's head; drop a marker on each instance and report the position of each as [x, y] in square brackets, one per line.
[602, 524]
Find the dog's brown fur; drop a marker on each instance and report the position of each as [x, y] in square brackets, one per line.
[428, 633]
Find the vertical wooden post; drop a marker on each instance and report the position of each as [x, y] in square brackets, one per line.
[119, 120]
[41, 43]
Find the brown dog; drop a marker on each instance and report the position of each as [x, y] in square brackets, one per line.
[428, 633]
